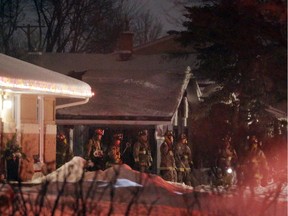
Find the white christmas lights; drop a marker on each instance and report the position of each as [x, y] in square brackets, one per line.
[46, 87]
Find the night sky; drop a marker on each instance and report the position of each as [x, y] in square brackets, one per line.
[168, 14]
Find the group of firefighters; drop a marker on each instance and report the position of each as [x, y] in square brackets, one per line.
[176, 159]
[251, 169]
[100, 157]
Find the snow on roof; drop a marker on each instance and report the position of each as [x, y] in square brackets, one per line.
[20, 76]
[147, 87]
[110, 63]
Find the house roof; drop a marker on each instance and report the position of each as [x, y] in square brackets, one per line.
[166, 44]
[143, 90]
[20, 76]
[280, 112]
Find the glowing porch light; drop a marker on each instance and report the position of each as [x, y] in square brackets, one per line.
[7, 104]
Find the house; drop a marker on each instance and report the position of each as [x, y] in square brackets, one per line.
[28, 101]
[132, 92]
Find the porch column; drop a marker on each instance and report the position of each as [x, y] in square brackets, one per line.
[41, 127]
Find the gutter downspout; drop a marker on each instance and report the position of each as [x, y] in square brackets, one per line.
[72, 104]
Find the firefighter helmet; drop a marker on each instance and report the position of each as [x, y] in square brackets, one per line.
[99, 131]
[182, 136]
[168, 133]
[118, 136]
[142, 133]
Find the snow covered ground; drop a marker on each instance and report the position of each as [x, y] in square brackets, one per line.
[120, 190]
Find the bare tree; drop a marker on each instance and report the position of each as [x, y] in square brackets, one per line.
[146, 28]
[124, 15]
[91, 25]
[71, 24]
[10, 14]
[74, 26]
[106, 24]
[67, 22]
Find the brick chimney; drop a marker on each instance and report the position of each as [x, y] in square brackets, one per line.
[125, 45]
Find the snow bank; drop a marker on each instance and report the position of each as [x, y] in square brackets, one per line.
[71, 171]
[148, 191]
[123, 171]
[120, 175]
[125, 176]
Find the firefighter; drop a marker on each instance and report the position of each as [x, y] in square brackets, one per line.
[183, 159]
[114, 154]
[95, 154]
[63, 150]
[142, 152]
[167, 164]
[227, 156]
[226, 161]
[256, 166]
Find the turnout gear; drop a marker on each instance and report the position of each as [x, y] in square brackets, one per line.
[114, 154]
[256, 164]
[167, 164]
[63, 150]
[183, 159]
[227, 156]
[95, 153]
[226, 162]
[142, 152]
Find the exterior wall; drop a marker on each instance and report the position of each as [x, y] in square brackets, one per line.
[49, 110]
[50, 146]
[9, 129]
[29, 125]
[28, 133]
[30, 146]
[30, 138]
[29, 112]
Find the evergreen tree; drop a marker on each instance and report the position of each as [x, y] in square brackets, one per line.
[242, 46]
